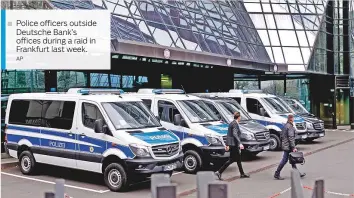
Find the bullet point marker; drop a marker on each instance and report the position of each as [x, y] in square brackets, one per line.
[9, 23]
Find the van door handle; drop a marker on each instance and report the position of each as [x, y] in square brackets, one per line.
[70, 134]
[82, 135]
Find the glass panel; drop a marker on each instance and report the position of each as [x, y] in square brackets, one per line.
[284, 22]
[270, 53]
[266, 7]
[288, 38]
[311, 36]
[258, 20]
[281, 8]
[296, 68]
[302, 38]
[253, 7]
[278, 55]
[306, 53]
[270, 21]
[292, 55]
[264, 36]
[274, 39]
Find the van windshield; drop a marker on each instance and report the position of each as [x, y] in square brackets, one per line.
[230, 107]
[130, 115]
[296, 106]
[275, 106]
[197, 111]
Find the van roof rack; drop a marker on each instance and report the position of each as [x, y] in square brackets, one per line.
[162, 91]
[93, 91]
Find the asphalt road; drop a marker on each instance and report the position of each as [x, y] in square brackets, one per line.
[328, 158]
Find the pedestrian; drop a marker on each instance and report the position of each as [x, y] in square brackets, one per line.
[235, 146]
[288, 145]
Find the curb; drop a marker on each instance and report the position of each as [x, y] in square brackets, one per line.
[5, 156]
[191, 191]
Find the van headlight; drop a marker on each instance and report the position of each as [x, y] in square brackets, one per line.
[247, 136]
[213, 140]
[309, 125]
[140, 150]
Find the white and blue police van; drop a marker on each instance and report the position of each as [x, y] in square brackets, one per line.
[93, 130]
[254, 136]
[266, 110]
[201, 132]
[315, 126]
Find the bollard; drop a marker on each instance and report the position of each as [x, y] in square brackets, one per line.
[296, 187]
[59, 188]
[158, 179]
[203, 180]
[49, 195]
[318, 191]
[166, 191]
[218, 190]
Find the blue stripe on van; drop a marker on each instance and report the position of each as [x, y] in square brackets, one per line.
[183, 135]
[103, 145]
[156, 137]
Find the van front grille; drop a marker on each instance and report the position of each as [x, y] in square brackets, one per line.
[300, 126]
[318, 125]
[262, 136]
[166, 150]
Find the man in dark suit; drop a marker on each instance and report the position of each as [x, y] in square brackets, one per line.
[233, 143]
[288, 145]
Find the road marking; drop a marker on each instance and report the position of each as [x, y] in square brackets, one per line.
[50, 182]
[176, 173]
[310, 188]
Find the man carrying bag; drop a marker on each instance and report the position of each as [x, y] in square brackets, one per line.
[288, 145]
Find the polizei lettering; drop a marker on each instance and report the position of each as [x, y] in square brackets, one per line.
[159, 137]
[57, 144]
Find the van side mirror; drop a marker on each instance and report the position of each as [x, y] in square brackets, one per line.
[262, 111]
[99, 126]
[177, 120]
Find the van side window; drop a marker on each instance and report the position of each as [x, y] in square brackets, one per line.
[147, 102]
[237, 99]
[26, 112]
[253, 106]
[58, 114]
[167, 111]
[90, 113]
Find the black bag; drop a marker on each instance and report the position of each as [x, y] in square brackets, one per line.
[296, 158]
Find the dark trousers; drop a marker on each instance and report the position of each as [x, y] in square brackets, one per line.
[235, 156]
[283, 161]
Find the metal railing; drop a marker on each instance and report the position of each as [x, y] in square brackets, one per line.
[207, 187]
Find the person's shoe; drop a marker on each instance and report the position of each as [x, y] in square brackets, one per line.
[245, 176]
[302, 174]
[218, 175]
[278, 177]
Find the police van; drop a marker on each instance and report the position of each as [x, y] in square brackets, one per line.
[201, 132]
[263, 108]
[93, 130]
[315, 126]
[254, 136]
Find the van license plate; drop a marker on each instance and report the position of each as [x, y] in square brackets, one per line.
[304, 136]
[266, 148]
[170, 167]
[321, 134]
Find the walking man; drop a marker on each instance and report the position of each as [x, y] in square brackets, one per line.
[288, 145]
[233, 144]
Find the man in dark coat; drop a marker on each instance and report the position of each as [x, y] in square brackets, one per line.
[288, 145]
[233, 143]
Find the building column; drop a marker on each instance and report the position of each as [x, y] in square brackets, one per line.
[50, 80]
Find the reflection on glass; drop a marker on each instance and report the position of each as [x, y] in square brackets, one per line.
[197, 111]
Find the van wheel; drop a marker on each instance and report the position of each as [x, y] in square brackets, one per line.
[274, 142]
[27, 163]
[115, 177]
[192, 162]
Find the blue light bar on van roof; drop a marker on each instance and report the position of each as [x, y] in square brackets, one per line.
[168, 91]
[100, 91]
